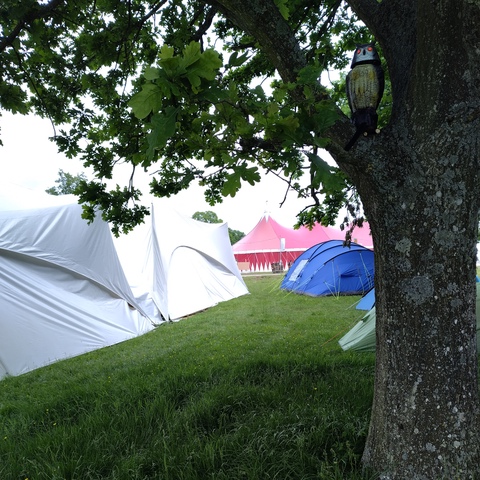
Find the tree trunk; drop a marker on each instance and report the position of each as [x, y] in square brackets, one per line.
[420, 190]
[425, 414]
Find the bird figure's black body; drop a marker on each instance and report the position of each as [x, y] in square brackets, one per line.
[365, 85]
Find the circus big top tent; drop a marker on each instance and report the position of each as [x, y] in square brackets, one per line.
[362, 236]
[269, 242]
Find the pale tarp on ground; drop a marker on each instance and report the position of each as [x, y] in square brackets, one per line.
[185, 265]
[362, 338]
[62, 289]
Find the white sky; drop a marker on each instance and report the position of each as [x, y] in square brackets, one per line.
[28, 158]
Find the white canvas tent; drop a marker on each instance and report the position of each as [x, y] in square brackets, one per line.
[185, 265]
[63, 291]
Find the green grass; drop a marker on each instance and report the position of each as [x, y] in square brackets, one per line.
[255, 388]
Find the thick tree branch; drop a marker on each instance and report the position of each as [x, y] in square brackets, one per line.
[39, 11]
[367, 9]
[202, 29]
[153, 11]
[261, 19]
[264, 22]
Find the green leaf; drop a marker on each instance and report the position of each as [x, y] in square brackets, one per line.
[232, 184]
[320, 165]
[273, 108]
[325, 174]
[151, 73]
[200, 66]
[279, 94]
[166, 52]
[251, 175]
[233, 181]
[236, 61]
[191, 54]
[283, 8]
[321, 142]
[259, 92]
[149, 99]
[325, 116]
[168, 62]
[310, 75]
[212, 58]
[289, 123]
[163, 127]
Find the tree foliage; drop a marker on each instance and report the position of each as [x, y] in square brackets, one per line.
[207, 217]
[147, 85]
[67, 183]
[235, 235]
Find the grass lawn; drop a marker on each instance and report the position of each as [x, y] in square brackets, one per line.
[255, 388]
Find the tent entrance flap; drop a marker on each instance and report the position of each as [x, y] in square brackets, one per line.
[297, 270]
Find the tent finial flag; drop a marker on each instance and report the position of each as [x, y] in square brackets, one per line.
[266, 213]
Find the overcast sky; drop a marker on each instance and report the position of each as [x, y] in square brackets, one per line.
[29, 159]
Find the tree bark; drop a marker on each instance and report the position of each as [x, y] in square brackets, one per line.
[419, 182]
[425, 413]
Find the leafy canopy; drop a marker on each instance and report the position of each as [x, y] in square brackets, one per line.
[175, 88]
[67, 183]
[207, 217]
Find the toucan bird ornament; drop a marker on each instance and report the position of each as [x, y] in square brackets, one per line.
[365, 85]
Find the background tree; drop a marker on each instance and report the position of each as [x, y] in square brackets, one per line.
[198, 114]
[211, 217]
[207, 217]
[67, 183]
[235, 235]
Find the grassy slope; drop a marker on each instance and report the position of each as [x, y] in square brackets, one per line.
[255, 388]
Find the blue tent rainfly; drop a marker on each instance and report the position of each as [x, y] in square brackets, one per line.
[330, 268]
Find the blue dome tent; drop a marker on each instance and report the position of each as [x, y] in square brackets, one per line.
[329, 268]
[368, 301]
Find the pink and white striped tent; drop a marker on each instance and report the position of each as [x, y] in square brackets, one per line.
[269, 242]
[363, 236]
